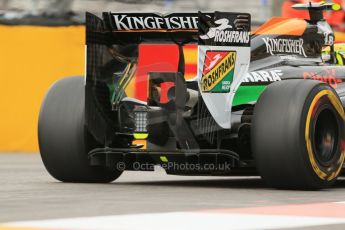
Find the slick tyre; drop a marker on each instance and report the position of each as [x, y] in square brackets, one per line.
[298, 135]
[63, 139]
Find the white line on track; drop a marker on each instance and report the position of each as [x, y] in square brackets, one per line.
[179, 221]
[201, 220]
[340, 202]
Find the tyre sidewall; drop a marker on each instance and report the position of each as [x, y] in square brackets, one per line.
[63, 138]
[314, 170]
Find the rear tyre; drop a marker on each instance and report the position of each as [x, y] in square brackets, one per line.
[63, 139]
[298, 135]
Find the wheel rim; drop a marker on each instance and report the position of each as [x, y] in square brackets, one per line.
[325, 136]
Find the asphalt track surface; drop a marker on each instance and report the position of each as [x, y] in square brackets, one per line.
[27, 192]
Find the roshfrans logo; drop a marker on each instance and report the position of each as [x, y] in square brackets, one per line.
[218, 71]
[284, 46]
[125, 22]
[221, 33]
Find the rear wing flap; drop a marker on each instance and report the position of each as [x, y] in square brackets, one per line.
[135, 28]
[181, 28]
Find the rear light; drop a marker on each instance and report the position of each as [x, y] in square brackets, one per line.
[140, 121]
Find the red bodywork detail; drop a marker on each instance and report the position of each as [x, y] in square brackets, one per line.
[154, 58]
[190, 68]
[161, 58]
[328, 77]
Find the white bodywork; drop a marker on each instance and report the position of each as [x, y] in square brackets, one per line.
[220, 104]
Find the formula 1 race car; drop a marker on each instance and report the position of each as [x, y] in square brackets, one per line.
[266, 103]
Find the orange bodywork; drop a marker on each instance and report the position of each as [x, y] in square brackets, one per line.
[283, 26]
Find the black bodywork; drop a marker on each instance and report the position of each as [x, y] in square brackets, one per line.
[181, 131]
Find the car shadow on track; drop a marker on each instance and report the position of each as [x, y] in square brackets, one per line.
[244, 183]
[238, 183]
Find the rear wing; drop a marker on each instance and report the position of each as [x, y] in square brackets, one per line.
[135, 28]
[119, 34]
[113, 44]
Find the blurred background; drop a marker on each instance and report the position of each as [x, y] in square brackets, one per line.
[13, 10]
[42, 41]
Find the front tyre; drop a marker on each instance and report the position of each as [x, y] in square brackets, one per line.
[298, 135]
[63, 139]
